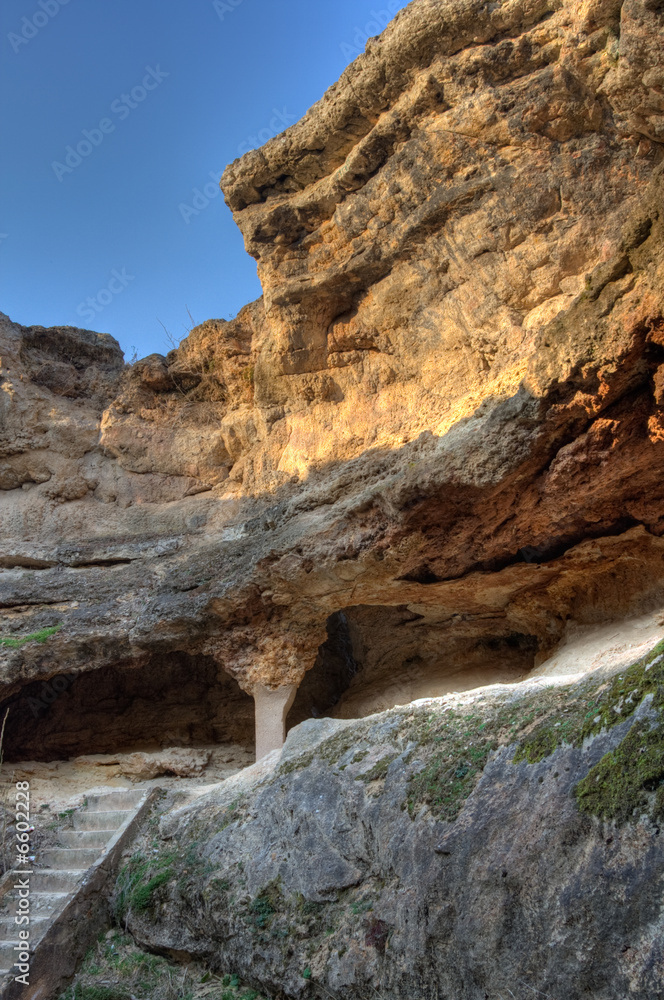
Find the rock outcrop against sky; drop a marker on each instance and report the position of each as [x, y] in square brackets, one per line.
[433, 448]
[440, 431]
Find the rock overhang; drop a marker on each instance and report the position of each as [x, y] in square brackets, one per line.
[447, 400]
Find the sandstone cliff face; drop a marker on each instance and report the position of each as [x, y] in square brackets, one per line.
[443, 420]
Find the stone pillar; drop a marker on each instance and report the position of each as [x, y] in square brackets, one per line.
[272, 707]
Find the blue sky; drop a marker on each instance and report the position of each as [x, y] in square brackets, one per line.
[112, 114]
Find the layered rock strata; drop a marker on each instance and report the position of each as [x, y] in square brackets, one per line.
[443, 420]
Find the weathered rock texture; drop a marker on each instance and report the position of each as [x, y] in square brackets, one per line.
[443, 419]
[470, 848]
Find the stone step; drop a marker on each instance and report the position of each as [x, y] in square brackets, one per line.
[85, 838]
[40, 902]
[45, 903]
[7, 955]
[66, 857]
[55, 881]
[9, 928]
[119, 798]
[100, 819]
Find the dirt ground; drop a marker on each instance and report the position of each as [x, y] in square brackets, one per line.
[63, 784]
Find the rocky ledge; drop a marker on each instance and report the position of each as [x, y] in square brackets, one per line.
[477, 846]
[438, 433]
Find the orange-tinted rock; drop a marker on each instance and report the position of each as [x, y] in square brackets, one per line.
[448, 399]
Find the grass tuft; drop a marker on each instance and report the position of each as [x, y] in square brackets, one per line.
[115, 969]
[40, 636]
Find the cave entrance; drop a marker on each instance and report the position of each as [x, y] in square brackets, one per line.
[175, 700]
[378, 657]
[373, 658]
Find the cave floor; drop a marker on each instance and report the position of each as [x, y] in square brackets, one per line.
[57, 785]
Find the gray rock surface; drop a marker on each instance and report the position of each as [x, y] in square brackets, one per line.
[325, 877]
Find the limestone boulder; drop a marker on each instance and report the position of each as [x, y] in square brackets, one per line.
[465, 847]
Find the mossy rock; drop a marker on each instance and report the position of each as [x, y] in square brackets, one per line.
[597, 707]
[15, 642]
[618, 786]
[627, 690]
[455, 746]
[138, 881]
[141, 897]
[116, 969]
[628, 780]
[268, 902]
[451, 748]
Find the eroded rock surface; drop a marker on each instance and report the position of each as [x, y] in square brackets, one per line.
[144, 765]
[443, 419]
[470, 847]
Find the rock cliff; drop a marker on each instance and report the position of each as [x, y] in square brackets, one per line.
[435, 440]
[433, 447]
[443, 420]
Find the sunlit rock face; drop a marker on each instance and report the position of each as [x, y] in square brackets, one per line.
[445, 414]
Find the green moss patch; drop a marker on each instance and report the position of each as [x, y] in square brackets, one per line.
[233, 813]
[627, 690]
[454, 746]
[80, 992]
[139, 879]
[150, 868]
[629, 780]
[141, 896]
[333, 749]
[446, 750]
[268, 902]
[593, 707]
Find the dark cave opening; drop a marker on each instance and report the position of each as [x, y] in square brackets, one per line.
[373, 658]
[376, 657]
[173, 700]
[331, 675]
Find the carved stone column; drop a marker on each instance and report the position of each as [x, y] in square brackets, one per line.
[272, 705]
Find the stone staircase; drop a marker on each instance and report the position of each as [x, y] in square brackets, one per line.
[65, 886]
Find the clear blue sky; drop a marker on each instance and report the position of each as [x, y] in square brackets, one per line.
[180, 88]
